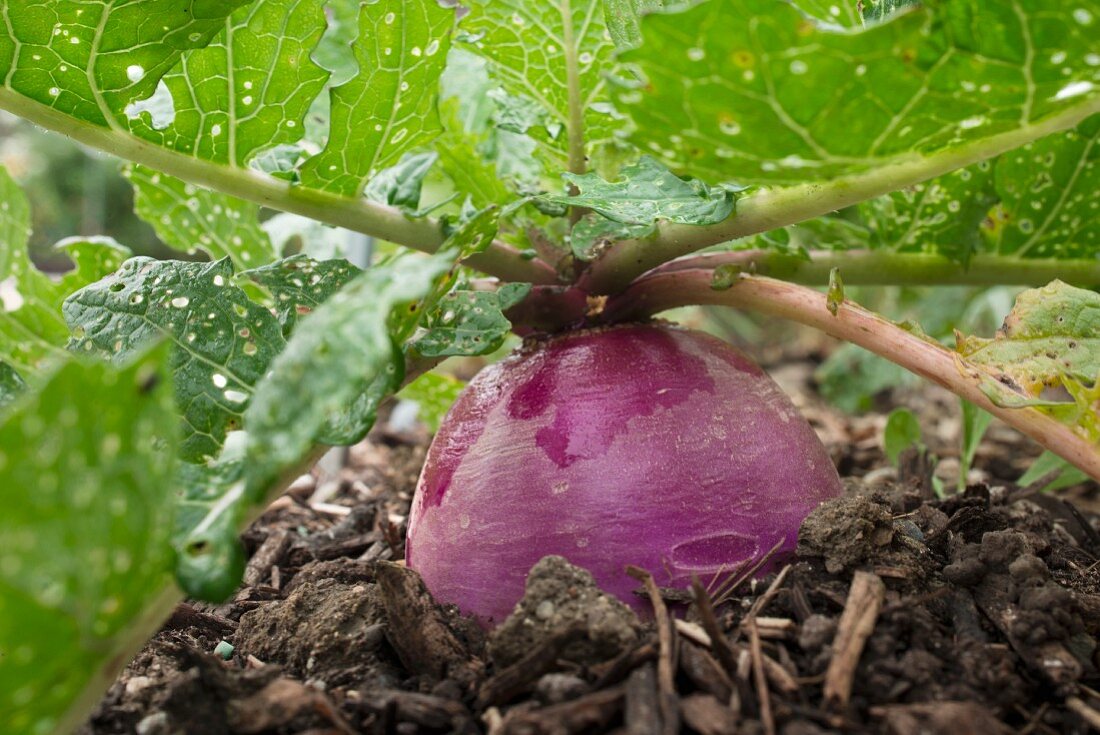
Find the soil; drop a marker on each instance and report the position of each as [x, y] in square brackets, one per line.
[902, 613]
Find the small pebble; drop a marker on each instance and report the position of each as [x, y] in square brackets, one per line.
[224, 649]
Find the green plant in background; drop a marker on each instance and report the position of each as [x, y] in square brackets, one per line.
[595, 164]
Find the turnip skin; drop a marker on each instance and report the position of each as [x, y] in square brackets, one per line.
[642, 444]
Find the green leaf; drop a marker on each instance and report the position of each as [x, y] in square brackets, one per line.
[460, 158]
[400, 185]
[593, 233]
[468, 322]
[93, 60]
[86, 477]
[648, 192]
[389, 107]
[247, 91]
[975, 421]
[527, 44]
[11, 385]
[902, 431]
[32, 330]
[343, 349]
[299, 284]
[1052, 334]
[434, 394]
[1050, 196]
[623, 19]
[346, 356]
[190, 218]
[523, 115]
[210, 560]
[223, 341]
[1048, 462]
[772, 99]
[941, 216]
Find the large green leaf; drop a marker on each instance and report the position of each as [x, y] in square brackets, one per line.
[247, 91]
[190, 218]
[772, 98]
[1040, 201]
[86, 482]
[528, 43]
[93, 59]
[223, 341]
[389, 107]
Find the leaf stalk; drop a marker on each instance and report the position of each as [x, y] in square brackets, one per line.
[360, 215]
[770, 209]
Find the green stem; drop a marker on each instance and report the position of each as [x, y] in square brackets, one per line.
[661, 291]
[770, 209]
[886, 268]
[575, 124]
[360, 215]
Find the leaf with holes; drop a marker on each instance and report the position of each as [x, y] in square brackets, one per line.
[223, 341]
[92, 60]
[648, 192]
[246, 92]
[1051, 337]
[774, 100]
[347, 356]
[190, 219]
[1049, 194]
[389, 107]
[593, 233]
[85, 567]
[531, 46]
[299, 284]
[468, 322]
[941, 216]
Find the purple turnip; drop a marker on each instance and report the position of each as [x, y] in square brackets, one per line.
[641, 444]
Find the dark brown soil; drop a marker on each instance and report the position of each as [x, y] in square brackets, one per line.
[978, 613]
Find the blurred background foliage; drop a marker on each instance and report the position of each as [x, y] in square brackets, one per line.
[73, 190]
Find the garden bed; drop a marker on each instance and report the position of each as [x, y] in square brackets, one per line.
[902, 613]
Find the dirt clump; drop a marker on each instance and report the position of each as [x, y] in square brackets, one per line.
[560, 597]
[324, 629]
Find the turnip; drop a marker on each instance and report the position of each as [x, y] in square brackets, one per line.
[641, 444]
